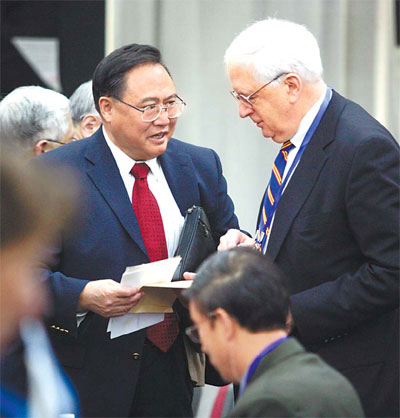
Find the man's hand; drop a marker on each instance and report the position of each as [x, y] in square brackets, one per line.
[108, 298]
[234, 238]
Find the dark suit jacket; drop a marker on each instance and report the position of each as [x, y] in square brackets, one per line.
[290, 382]
[336, 235]
[103, 242]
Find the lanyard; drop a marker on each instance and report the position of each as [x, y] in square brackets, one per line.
[306, 140]
[254, 364]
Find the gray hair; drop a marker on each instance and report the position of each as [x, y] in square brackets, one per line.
[274, 46]
[82, 102]
[31, 113]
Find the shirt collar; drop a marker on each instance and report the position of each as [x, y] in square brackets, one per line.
[125, 163]
[307, 120]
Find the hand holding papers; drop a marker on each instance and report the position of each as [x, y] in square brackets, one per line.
[155, 280]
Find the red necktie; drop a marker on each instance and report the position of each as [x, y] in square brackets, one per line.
[151, 227]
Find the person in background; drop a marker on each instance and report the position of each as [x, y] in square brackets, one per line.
[85, 117]
[27, 226]
[239, 305]
[35, 119]
[137, 182]
[330, 213]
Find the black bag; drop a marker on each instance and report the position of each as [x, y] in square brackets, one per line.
[195, 242]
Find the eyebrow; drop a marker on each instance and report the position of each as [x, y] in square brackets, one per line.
[155, 99]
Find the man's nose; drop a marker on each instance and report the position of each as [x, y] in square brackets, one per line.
[245, 110]
[163, 118]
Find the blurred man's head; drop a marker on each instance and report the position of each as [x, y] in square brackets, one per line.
[238, 299]
[34, 202]
[35, 119]
[83, 111]
[137, 100]
[276, 71]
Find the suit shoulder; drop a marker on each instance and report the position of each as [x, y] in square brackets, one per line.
[68, 155]
[357, 126]
[193, 150]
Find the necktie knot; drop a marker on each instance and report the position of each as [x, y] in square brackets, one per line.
[287, 146]
[140, 170]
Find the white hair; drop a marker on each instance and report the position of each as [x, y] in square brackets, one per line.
[273, 46]
[82, 102]
[31, 113]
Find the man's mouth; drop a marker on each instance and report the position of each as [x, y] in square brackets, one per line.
[159, 135]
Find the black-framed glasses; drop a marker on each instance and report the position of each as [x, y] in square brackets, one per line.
[150, 113]
[193, 333]
[246, 99]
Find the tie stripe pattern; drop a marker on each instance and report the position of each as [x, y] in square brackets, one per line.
[275, 183]
[151, 228]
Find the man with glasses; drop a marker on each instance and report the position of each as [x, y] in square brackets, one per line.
[330, 212]
[239, 304]
[137, 183]
[35, 119]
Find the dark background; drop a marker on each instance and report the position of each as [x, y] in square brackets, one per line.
[79, 25]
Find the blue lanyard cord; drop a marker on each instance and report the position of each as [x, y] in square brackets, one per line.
[306, 140]
[254, 364]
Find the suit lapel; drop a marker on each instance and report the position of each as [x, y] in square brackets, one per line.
[179, 171]
[103, 171]
[305, 176]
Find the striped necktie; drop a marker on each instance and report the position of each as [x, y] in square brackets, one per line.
[268, 207]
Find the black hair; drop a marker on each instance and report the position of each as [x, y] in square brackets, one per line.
[109, 75]
[248, 285]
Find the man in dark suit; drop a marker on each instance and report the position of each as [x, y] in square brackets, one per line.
[330, 214]
[129, 217]
[239, 305]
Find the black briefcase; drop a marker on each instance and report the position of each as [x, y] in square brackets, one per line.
[195, 242]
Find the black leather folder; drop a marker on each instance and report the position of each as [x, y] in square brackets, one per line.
[195, 242]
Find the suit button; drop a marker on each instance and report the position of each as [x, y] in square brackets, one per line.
[136, 356]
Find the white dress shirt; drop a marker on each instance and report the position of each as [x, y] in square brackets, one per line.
[297, 140]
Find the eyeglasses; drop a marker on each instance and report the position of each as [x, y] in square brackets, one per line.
[193, 332]
[57, 142]
[150, 113]
[246, 99]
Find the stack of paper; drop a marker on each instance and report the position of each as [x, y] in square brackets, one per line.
[155, 279]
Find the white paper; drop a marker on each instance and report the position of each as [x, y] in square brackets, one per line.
[130, 322]
[138, 276]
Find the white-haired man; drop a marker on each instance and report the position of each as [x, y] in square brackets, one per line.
[36, 118]
[83, 111]
[330, 213]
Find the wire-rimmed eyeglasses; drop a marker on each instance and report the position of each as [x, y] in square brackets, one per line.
[150, 113]
[246, 99]
[193, 332]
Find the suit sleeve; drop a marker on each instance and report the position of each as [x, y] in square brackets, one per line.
[222, 217]
[372, 206]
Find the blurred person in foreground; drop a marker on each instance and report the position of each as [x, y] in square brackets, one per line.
[35, 119]
[27, 226]
[85, 117]
[137, 183]
[239, 305]
[330, 213]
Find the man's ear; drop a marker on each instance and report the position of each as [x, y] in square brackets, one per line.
[41, 147]
[227, 323]
[89, 125]
[293, 85]
[106, 108]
